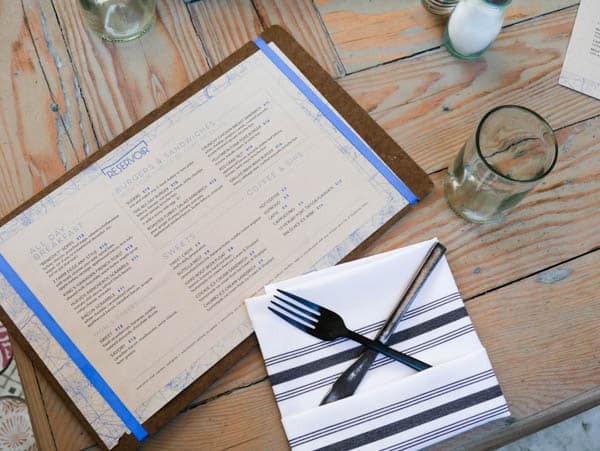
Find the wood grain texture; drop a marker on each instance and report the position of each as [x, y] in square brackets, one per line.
[539, 233]
[224, 26]
[554, 317]
[496, 434]
[559, 220]
[123, 82]
[36, 143]
[35, 402]
[431, 103]
[367, 33]
[248, 370]
[539, 358]
[303, 21]
[247, 419]
[67, 431]
[542, 337]
[60, 77]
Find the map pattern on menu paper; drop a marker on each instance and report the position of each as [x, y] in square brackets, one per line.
[97, 412]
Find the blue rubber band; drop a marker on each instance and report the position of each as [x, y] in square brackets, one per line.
[337, 122]
[72, 351]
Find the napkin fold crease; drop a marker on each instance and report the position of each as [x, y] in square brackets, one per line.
[394, 408]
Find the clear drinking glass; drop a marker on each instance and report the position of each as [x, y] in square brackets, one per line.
[512, 149]
[119, 20]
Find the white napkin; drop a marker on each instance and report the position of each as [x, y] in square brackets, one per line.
[395, 408]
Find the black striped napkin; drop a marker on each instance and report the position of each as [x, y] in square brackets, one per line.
[395, 408]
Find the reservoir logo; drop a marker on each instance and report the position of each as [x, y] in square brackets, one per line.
[139, 151]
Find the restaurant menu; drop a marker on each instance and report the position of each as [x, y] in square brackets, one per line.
[581, 69]
[144, 258]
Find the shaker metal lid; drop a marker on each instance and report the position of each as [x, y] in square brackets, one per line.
[499, 2]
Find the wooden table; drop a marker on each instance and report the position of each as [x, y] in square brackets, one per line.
[532, 284]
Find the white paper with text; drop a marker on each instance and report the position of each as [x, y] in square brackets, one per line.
[145, 257]
[581, 69]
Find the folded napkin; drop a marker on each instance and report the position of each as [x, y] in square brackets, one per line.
[394, 408]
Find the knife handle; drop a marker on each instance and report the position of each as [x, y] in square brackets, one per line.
[428, 264]
[347, 383]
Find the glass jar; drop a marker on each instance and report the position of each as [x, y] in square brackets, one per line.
[511, 151]
[473, 26]
[119, 20]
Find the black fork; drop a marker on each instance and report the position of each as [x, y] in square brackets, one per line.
[328, 325]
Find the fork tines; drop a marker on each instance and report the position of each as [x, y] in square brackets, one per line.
[304, 313]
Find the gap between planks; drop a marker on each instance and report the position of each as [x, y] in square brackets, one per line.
[579, 121]
[513, 346]
[201, 401]
[485, 438]
[440, 46]
[549, 194]
[361, 42]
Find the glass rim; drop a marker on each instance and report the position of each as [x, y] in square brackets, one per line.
[495, 171]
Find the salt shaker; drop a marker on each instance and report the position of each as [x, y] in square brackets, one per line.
[473, 26]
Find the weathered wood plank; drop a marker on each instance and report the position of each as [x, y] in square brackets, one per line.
[60, 77]
[431, 103]
[35, 402]
[367, 33]
[533, 333]
[303, 21]
[248, 370]
[67, 430]
[553, 319]
[178, 28]
[559, 220]
[224, 26]
[541, 232]
[497, 434]
[45, 130]
[535, 346]
[35, 146]
[549, 216]
[247, 419]
[122, 82]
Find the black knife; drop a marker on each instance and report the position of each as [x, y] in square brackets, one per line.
[349, 380]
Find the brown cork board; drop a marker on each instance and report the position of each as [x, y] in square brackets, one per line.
[389, 151]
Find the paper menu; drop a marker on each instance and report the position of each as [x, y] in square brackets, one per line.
[581, 69]
[241, 184]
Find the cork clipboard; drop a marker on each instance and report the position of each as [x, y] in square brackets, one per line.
[387, 149]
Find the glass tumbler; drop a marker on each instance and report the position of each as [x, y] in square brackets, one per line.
[119, 20]
[512, 149]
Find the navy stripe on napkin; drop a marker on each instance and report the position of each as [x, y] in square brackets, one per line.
[355, 352]
[415, 420]
[448, 429]
[392, 408]
[298, 352]
[315, 385]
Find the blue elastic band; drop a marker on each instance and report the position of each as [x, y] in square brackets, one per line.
[73, 352]
[348, 133]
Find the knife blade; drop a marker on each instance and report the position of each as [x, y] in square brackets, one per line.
[349, 380]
